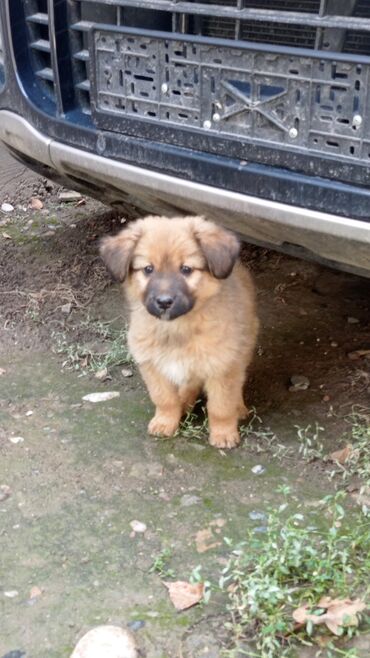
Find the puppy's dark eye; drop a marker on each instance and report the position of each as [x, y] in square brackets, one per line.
[186, 270]
[148, 269]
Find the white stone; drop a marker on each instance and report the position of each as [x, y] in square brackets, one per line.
[106, 642]
[7, 207]
[138, 526]
[16, 439]
[101, 397]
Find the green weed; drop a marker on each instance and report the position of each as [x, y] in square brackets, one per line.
[111, 351]
[260, 438]
[268, 577]
[160, 564]
[310, 445]
[194, 425]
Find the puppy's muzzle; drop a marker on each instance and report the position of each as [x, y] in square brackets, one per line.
[167, 298]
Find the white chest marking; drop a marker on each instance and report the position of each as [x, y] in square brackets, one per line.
[175, 371]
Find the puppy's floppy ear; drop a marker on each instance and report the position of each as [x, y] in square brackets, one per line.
[220, 247]
[116, 251]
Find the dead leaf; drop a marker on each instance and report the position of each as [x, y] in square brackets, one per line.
[204, 540]
[339, 613]
[36, 204]
[101, 374]
[35, 592]
[300, 614]
[184, 595]
[342, 456]
[358, 354]
[362, 497]
[218, 522]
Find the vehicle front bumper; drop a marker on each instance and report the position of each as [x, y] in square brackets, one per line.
[328, 238]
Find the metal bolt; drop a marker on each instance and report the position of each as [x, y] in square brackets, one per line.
[101, 143]
[164, 88]
[216, 117]
[207, 124]
[357, 120]
[293, 133]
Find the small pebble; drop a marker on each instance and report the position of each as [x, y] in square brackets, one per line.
[5, 492]
[136, 625]
[138, 526]
[299, 383]
[187, 500]
[66, 308]
[29, 413]
[333, 344]
[257, 516]
[258, 469]
[16, 439]
[351, 320]
[7, 207]
[36, 203]
[127, 372]
[69, 196]
[11, 594]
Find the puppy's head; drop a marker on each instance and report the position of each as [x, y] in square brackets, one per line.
[171, 265]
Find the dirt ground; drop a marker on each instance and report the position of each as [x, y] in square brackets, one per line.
[79, 474]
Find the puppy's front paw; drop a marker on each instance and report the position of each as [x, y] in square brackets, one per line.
[224, 439]
[163, 425]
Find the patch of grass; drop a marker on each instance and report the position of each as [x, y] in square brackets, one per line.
[294, 563]
[195, 424]
[310, 445]
[358, 462]
[111, 350]
[360, 438]
[263, 438]
[160, 564]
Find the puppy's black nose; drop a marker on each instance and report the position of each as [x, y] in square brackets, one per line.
[164, 302]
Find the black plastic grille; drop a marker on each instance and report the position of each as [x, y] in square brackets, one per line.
[2, 68]
[80, 53]
[278, 78]
[362, 9]
[276, 22]
[37, 22]
[309, 6]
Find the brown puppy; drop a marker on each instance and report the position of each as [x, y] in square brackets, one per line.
[193, 323]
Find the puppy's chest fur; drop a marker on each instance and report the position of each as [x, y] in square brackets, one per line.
[178, 371]
[178, 356]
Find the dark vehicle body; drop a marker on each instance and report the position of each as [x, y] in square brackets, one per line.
[255, 113]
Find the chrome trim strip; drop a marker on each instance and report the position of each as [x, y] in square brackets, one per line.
[22, 136]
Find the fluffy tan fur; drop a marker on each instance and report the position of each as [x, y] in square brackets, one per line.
[205, 350]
